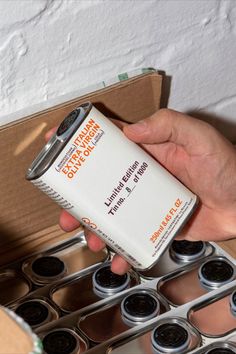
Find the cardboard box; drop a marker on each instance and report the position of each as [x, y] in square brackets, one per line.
[28, 218]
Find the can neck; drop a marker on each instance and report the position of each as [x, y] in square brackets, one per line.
[52, 149]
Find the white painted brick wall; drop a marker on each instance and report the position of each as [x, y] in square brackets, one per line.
[49, 48]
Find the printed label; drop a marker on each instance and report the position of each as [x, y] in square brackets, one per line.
[125, 186]
[81, 148]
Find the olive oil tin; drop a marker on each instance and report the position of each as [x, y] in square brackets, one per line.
[112, 186]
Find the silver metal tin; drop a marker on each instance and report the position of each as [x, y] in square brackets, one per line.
[69, 294]
[142, 340]
[138, 339]
[233, 303]
[124, 338]
[139, 307]
[78, 292]
[102, 320]
[106, 283]
[226, 348]
[188, 283]
[216, 272]
[47, 268]
[187, 251]
[36, 312]
[171, 336]
[62, 341]
[218, 347]
[54, 171]
[169, 263]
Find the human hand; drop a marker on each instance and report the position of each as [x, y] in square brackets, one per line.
[201, 158]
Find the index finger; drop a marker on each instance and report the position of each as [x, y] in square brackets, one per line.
[50, 133]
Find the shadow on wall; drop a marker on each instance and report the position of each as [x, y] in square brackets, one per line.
[165, 89]
[222, 124]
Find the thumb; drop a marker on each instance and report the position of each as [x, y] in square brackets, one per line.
[167, 126]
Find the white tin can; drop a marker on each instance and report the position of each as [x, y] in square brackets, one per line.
[112, 186]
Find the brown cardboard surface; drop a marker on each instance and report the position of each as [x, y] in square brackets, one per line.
[229, 246]
[13, 339]
[28, 218]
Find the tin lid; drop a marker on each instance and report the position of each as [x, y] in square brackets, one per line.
[48, 267]
[139, 307]
[52, 149]
[216, 272]
[170, 338]
[233, 303]
[187, 251]
[60, 341]
[107, 283]
[34, 312]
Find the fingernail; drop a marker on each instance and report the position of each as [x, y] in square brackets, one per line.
[138, 127]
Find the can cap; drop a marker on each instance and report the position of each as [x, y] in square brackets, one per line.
[107, 283]
[187, 251]
[68, 122]
[34, 312]
[215, 272]
[61, 341]
[233, 303]
[170, 338]
[139, 307]
[48, 267]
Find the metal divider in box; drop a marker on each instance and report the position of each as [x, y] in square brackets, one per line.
[72, 293]
[13, 286]
[172, 335]
[219, 312]
[63, 260]
[111, 316]
[172, 331]
[197, 279]
[232, 337]
[120, 313]
[231, 340]
[90, 286]
[178, 255]
[63, 336]
[126, 322]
